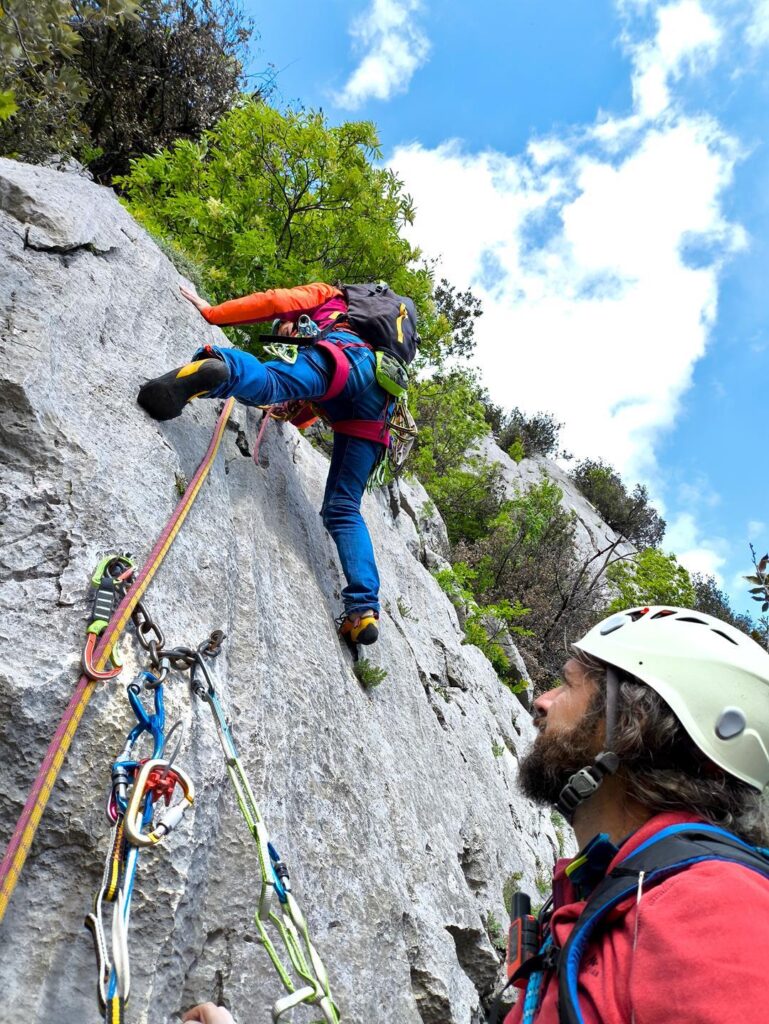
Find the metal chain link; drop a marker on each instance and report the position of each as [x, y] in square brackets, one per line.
[290, 923]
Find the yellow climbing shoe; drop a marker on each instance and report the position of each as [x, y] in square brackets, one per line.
[165, 397]
[359, 627]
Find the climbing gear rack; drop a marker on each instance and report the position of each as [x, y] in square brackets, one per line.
[21, 840]
[137, 787]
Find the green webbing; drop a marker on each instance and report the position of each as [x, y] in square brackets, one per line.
[290, 923]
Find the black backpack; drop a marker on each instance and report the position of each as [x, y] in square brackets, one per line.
[388, 322]
[672, 850]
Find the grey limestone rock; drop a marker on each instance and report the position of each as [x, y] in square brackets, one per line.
[591, 533]
[395, 808]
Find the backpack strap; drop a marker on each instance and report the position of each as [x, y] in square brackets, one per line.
[669, 851]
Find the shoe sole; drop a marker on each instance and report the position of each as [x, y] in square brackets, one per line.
[165, 397]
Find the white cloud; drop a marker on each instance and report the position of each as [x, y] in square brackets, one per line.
[706, 555]
[687, 39]
[393, 47]
[592, 308]
[596, 252]
[756, 529]
[697, 493]
[757, 32]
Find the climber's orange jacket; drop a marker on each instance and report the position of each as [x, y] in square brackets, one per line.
[322, 302]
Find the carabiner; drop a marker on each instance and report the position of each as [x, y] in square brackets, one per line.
[151, 723]
[86, 659]
[143, 786]
[111, 571]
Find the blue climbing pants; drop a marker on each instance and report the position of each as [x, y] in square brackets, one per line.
[352, 459]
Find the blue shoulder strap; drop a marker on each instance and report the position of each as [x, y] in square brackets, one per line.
[664, 854]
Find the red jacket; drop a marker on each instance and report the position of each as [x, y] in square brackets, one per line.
[701, 953]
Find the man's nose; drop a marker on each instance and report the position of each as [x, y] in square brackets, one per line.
[543, 703]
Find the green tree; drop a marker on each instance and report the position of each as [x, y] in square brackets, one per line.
[468, 498]
[648, 578]
[529, 557]
[450, 416]
[269, 199]
[627, 513]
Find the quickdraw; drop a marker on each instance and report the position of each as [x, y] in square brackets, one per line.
[403, 433]
[290, 922]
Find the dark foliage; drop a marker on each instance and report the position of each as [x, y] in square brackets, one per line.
[167, 73]
[529, 435]
[627, 513]
[461, 310]
[711, 600]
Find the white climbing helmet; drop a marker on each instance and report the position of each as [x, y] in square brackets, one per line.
[714, 678]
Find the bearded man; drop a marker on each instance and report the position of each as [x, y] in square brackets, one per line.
[655, 746]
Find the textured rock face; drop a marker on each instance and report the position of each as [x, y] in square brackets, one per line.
[396, 809]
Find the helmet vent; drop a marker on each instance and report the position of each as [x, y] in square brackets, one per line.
[615, 622]
[691, 618]
[726, 637]
[663, 614]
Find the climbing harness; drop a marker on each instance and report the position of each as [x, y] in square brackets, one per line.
[395, 432]
[19, 844]
[290, 922]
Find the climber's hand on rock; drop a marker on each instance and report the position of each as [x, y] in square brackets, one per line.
[207, 1013]
[194, 298]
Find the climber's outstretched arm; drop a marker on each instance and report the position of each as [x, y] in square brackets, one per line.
[260, 306]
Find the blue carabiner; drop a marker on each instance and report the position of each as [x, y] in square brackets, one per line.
[151, 723]
[279, 872]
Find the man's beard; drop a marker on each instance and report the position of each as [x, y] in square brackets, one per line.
[553, 759]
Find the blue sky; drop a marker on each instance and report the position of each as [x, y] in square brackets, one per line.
[598, 172]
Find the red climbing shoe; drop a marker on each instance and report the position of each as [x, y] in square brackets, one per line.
[359, 627]
[165, 397]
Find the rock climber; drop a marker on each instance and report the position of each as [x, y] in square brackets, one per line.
[337, 374]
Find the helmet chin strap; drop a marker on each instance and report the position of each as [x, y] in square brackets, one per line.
[586, 781]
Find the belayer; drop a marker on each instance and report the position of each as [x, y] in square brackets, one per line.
[352, 369]
[656, 747]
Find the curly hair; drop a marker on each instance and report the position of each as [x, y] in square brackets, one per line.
[662, 767]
